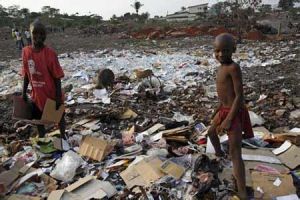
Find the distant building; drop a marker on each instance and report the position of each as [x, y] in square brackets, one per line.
[198, 9]
[190, 14]
[181, 16]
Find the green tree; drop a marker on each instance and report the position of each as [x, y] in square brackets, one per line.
[114, 17]
[46, 9]
[241, 10]
[49, 11]
[221, 8]
[25, 15]
[144, 16]
[287, 4]
[24, 12]
[137, 6]
[53, 12]
[13, 10]
[3, 11]
[3, 15]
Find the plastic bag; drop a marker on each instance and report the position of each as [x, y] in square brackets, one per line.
[256, 119]
[66, 168]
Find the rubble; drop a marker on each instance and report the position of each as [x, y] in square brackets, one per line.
[130, 137]
[158, 33]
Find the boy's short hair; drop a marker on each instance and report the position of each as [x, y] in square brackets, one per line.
[37, 24]
[228, 39]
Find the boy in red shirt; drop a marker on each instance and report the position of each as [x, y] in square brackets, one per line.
[42, 70]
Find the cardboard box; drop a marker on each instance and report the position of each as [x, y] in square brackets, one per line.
[84, 189]
[266, 182]
[291, 157]
[95, 148]
[23, 111]
[143, 173]
[172, 169]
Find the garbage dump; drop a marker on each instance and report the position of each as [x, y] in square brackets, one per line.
[142, 132]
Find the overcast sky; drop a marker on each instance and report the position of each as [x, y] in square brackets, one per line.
[106, 8]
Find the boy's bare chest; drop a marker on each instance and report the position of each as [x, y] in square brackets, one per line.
[222, 76]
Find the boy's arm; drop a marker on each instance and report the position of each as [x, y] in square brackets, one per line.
[236, 76]
[25, 87]
[58, 93]
[217, 110]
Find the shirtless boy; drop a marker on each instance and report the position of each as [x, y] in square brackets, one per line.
[232, 116]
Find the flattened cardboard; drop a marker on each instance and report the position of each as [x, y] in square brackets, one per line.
[172, 169]
[291, 157]
[9, 176]
[50, 114]
[56, 195]
[23, 111]
[153, 129]
[143, 173]
[266, 182]
[259, 155]
[279, 167]
[94, 148]
[22, 197]
[150, 169]
[84, 189]
[132, 178]
[288, 197]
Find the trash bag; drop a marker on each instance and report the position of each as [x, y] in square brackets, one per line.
[66, 167]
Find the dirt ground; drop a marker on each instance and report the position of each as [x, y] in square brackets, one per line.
[71, 40]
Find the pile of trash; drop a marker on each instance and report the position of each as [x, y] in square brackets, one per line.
[137, 129]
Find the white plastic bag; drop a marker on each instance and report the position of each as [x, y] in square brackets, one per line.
[256, 119]
[65, 169]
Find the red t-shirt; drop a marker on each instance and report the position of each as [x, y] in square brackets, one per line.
[41, 68]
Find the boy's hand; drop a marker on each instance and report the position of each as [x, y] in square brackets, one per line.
[225, 125]
[58, 103]
[25, 98]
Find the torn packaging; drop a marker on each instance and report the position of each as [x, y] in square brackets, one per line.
[95, 148]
